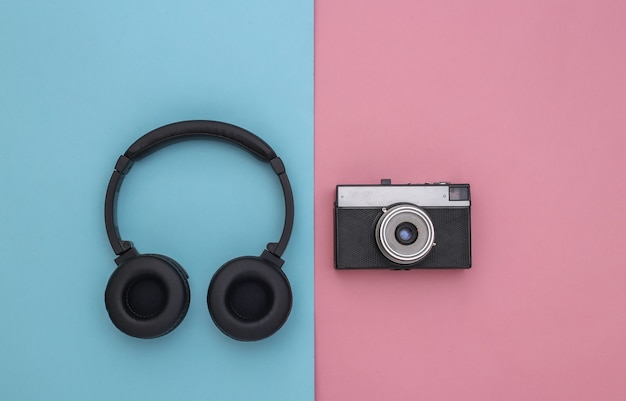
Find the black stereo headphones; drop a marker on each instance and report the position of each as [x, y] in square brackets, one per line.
[148, 295]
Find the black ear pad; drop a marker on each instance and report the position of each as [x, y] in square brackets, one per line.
[147, 296]
[249, 299]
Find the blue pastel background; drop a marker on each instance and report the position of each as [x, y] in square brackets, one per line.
[79, 82]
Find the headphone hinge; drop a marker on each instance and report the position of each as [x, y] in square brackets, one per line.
[273, 259]
[127, 254]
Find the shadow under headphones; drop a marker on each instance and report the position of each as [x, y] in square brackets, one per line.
[147, 296]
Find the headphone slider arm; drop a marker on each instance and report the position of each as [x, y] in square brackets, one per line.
[277, 166]
[123, 164]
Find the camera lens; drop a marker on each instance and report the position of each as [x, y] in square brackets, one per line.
[405, 234]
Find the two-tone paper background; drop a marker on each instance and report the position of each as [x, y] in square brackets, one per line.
[526, 101]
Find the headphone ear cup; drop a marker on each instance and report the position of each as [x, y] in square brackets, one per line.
[249, 298]
[147, 296]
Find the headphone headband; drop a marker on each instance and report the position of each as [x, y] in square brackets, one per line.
[173, 133]
[176, 132]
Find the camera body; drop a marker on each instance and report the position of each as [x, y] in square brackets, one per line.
[412, 226]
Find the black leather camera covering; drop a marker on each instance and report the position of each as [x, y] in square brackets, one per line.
[356, 247]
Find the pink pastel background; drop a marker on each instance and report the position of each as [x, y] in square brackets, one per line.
[526, 101]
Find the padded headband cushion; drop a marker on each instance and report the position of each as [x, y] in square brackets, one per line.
[175, 132]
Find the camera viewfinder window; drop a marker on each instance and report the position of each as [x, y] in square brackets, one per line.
[459, 193]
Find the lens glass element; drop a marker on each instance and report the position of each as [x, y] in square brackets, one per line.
[406, 233]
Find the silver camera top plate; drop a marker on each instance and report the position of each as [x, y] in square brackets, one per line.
[435, 195]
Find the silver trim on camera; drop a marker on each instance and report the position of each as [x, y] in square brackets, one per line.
[389, 245]
[385, 195]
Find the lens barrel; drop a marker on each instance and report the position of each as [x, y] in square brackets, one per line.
[405, 234]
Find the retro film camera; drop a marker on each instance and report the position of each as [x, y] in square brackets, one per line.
[420, 226]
